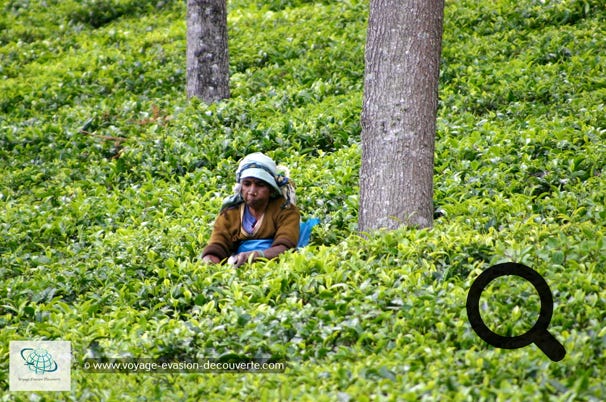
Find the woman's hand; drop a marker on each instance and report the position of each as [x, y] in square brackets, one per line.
[270, 253]
[247, 256]
[244, 257]
[211, 259]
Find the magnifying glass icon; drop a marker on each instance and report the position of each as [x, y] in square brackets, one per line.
[538, 334]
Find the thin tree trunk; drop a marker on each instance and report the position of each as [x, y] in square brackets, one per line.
[207, 50]
[399, 113]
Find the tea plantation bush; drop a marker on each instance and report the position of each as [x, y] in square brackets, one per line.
[112, 179]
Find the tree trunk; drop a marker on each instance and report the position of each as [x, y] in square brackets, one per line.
[399, 113]
[207, 50]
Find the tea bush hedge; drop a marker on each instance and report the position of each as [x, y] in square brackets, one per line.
[112, 179]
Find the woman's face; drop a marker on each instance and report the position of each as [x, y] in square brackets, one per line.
[255, 192]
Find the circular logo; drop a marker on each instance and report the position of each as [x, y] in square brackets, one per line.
[38, 360]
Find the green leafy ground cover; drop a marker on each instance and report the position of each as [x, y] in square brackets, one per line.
[99, 238]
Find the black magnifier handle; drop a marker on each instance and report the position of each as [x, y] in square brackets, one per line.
[550, 345]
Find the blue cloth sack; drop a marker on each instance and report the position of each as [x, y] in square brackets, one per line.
[263, 244]
[305, 231]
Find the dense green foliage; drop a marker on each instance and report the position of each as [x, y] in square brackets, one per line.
[111, 180]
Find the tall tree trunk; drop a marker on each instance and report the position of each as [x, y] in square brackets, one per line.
[399, 113]
[207, 50]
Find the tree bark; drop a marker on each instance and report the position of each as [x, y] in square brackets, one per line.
[399, 113]
[207, 50]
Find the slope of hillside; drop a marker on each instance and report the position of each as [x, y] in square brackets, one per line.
[112, 178]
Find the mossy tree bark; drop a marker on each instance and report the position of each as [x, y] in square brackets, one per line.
[207, 50]
[399, 113]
